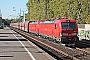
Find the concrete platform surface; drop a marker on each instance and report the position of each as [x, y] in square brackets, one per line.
[15, 47]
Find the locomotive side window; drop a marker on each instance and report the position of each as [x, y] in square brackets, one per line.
[55, 26]
[69, 25]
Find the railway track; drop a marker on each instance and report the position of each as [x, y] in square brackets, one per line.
[62, 52]
[83, 45]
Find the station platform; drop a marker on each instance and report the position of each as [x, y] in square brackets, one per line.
[15, 47]
[7, 34]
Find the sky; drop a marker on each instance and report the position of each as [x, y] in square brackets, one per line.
[7, 7]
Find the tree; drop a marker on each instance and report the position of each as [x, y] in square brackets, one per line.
[46, 9]
[88, 20]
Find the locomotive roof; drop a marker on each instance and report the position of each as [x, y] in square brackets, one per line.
[47, 22]
[33, 22]
[50, 21]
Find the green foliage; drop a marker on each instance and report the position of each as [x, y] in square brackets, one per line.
[46, 9]
[88, 20]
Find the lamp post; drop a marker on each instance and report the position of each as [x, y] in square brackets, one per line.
[24, 16]
[14, 11]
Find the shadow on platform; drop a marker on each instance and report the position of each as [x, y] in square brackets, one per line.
[8, 33]
[12, 39]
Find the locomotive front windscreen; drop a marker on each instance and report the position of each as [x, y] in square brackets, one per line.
[66, 25]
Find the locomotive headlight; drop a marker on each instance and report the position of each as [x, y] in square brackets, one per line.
[73, 34]
[60, 34]
[65, 34]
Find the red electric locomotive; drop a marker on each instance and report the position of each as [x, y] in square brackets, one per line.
[61, 30]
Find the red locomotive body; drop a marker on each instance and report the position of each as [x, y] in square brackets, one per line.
[68, 30]
[46, 28]
[62, 30]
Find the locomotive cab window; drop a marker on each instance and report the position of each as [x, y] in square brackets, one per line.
[69, 25]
